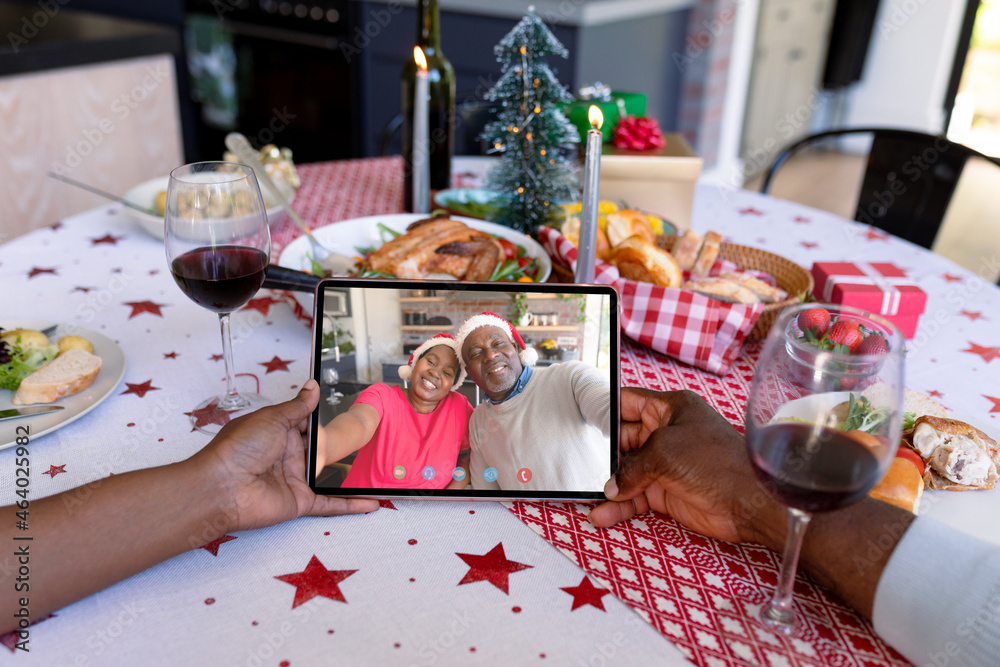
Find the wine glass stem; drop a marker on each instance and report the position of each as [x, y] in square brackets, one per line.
[778, 614]
[232, 400]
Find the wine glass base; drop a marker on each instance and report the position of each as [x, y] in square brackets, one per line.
[782, 621]
[212, 414]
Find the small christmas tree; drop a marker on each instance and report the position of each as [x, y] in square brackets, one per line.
[537, 141]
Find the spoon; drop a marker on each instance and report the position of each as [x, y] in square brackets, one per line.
[335, 263]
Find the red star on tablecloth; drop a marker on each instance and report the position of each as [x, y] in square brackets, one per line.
[169, 355]
[139, 307]
[987, 353]
[387, 504]
[107, 238]
[35, 271]
[935, 393]
[808, 245]
[800, 218]
[263, 304]
[750, 210]
[586, 593]
[140, 389]
[315, 581]
[55, 470]
[971, 315]
[82, 289]
[951, 278]
[492, 567]
[276, 364]
[996, 403]
[875, 235]
[215, 357]
[210, 414]
[213, 546]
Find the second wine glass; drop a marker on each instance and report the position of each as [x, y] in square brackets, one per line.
[823, 421]
[218, 247]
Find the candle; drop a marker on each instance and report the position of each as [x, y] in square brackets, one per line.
[421, 160]
[587, 250]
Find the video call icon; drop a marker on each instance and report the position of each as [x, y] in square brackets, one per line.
[458, 473]
[427, 473]
[399, 472]
[490, 474]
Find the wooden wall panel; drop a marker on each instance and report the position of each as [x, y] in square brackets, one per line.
[112, 125]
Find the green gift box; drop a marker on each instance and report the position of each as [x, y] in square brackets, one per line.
[621, 104]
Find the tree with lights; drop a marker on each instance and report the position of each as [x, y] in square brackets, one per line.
[537, 168]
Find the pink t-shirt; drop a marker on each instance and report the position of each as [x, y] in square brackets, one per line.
[406, 438]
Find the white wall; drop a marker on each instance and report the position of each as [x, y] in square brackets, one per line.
[908, 66]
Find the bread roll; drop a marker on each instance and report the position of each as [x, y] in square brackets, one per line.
[639, 259]
[706, 256]
[70, 372]
[627, 222]
[685, 250]
[722, 290]
[902, 486]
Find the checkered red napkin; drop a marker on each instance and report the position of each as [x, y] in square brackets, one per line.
[679, 323]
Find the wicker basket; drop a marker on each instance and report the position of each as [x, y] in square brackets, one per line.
[788, 275]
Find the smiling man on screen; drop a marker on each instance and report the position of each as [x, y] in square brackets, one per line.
[545, 429]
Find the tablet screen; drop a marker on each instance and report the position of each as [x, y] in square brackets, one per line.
[465, 390]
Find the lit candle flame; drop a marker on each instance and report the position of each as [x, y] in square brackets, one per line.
[418, 55]
[596, 117]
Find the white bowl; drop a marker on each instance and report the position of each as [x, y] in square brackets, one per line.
[144, 195]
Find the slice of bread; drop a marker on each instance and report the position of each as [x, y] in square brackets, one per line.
[70, 372]
[638, 259]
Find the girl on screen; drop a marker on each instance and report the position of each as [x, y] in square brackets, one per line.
[406, 438]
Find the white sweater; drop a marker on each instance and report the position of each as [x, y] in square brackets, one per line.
[938, 600]
[558, 427]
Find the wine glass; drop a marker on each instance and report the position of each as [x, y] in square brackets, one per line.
[822, 423]
[218, 247]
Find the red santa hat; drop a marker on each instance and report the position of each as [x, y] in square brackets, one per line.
[527, 355]
[406, 372]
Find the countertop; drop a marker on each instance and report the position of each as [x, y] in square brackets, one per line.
[563, 12]
[38, 39]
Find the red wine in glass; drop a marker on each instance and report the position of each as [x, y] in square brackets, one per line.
[811, 468]
[222, 278]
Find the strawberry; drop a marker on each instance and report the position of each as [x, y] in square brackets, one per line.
[815, 319]
[873, 344]
[845, 333]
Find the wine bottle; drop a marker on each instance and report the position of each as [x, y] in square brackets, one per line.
[441, 115]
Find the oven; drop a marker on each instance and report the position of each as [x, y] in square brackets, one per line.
[276, 71]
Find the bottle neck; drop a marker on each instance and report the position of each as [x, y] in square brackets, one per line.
[428, 26]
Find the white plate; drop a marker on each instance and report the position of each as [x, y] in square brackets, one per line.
[77, 405]
[144, 195]
[972, 512]
[346, 236]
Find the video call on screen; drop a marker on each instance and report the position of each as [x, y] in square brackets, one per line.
[367, 332]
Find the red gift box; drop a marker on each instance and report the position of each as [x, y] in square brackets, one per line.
[877, 287]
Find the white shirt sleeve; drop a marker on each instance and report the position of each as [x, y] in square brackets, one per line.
[938, 600]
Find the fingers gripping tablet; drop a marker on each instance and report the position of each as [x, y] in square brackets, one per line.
[465, 390]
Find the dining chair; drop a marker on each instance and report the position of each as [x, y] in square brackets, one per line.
[909, 178]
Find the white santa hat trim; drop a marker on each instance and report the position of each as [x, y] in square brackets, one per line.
[527, 355]
[406, 372]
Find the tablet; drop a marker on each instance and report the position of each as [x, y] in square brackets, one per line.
[446, 389]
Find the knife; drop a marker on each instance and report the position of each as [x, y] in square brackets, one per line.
[14, 413]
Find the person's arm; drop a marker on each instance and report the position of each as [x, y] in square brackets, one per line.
[252, 474]
[684, 459]
[346, 433]
[593, 396]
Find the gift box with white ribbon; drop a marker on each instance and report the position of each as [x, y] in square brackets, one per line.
[878, 287]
